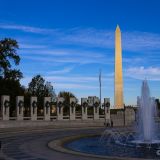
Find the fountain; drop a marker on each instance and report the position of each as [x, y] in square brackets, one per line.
[140, 142]
[146, 135]
[147, 111]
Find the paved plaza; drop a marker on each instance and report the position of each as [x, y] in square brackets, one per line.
[32, 144]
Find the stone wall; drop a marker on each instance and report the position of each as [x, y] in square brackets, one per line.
[126, 117]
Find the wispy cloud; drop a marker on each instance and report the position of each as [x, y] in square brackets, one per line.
[65, 86]
[62, 83]
[151, 73]
[134, 41]
[61, 52]
[132, 60]
[32, 46]
[27, 28]
[67, 59]
[43, 52]
[90, 37]
[62, 71]
[75, 79]
[141, 41]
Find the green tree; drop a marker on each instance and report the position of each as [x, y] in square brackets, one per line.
[39, 88]
[12, 88]
[66, 96]
[49, 90]
[8, 54]
[14, 74]
[9, 78]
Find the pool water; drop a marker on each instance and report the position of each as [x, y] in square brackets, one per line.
[93, 145]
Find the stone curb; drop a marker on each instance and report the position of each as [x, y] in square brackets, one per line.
[58, 145]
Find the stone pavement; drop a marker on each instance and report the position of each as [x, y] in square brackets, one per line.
[33, 145]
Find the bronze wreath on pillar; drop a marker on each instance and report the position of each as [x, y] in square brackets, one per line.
[6, 103]
[85, 104]
[107, 105]
[34, 104]
[96, 104]
[73, 104]
[60, 104]
[20, 103]
[47, 104]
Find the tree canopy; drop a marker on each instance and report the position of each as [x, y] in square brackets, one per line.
[10, 77]
[40, 88]
[66, 96]
[8, 54]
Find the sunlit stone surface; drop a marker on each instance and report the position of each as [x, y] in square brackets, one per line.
[118, 88]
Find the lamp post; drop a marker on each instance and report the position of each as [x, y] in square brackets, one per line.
[100, 85]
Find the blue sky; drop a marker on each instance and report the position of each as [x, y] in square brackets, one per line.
[68, 41]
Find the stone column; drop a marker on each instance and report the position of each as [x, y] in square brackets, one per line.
[72, 108]
[5, 103]
[107, 111]
[33, 106]
[60, 104]
[96, 104]
[84, 104]
[47, 108]
[90, 100]
[19, 107]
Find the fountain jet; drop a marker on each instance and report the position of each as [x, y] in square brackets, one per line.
[146, 121]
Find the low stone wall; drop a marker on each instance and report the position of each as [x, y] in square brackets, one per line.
[130, 116]
[118, 119]
[59, 124]
[121, 118]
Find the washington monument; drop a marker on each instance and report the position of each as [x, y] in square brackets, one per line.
[118, 79]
